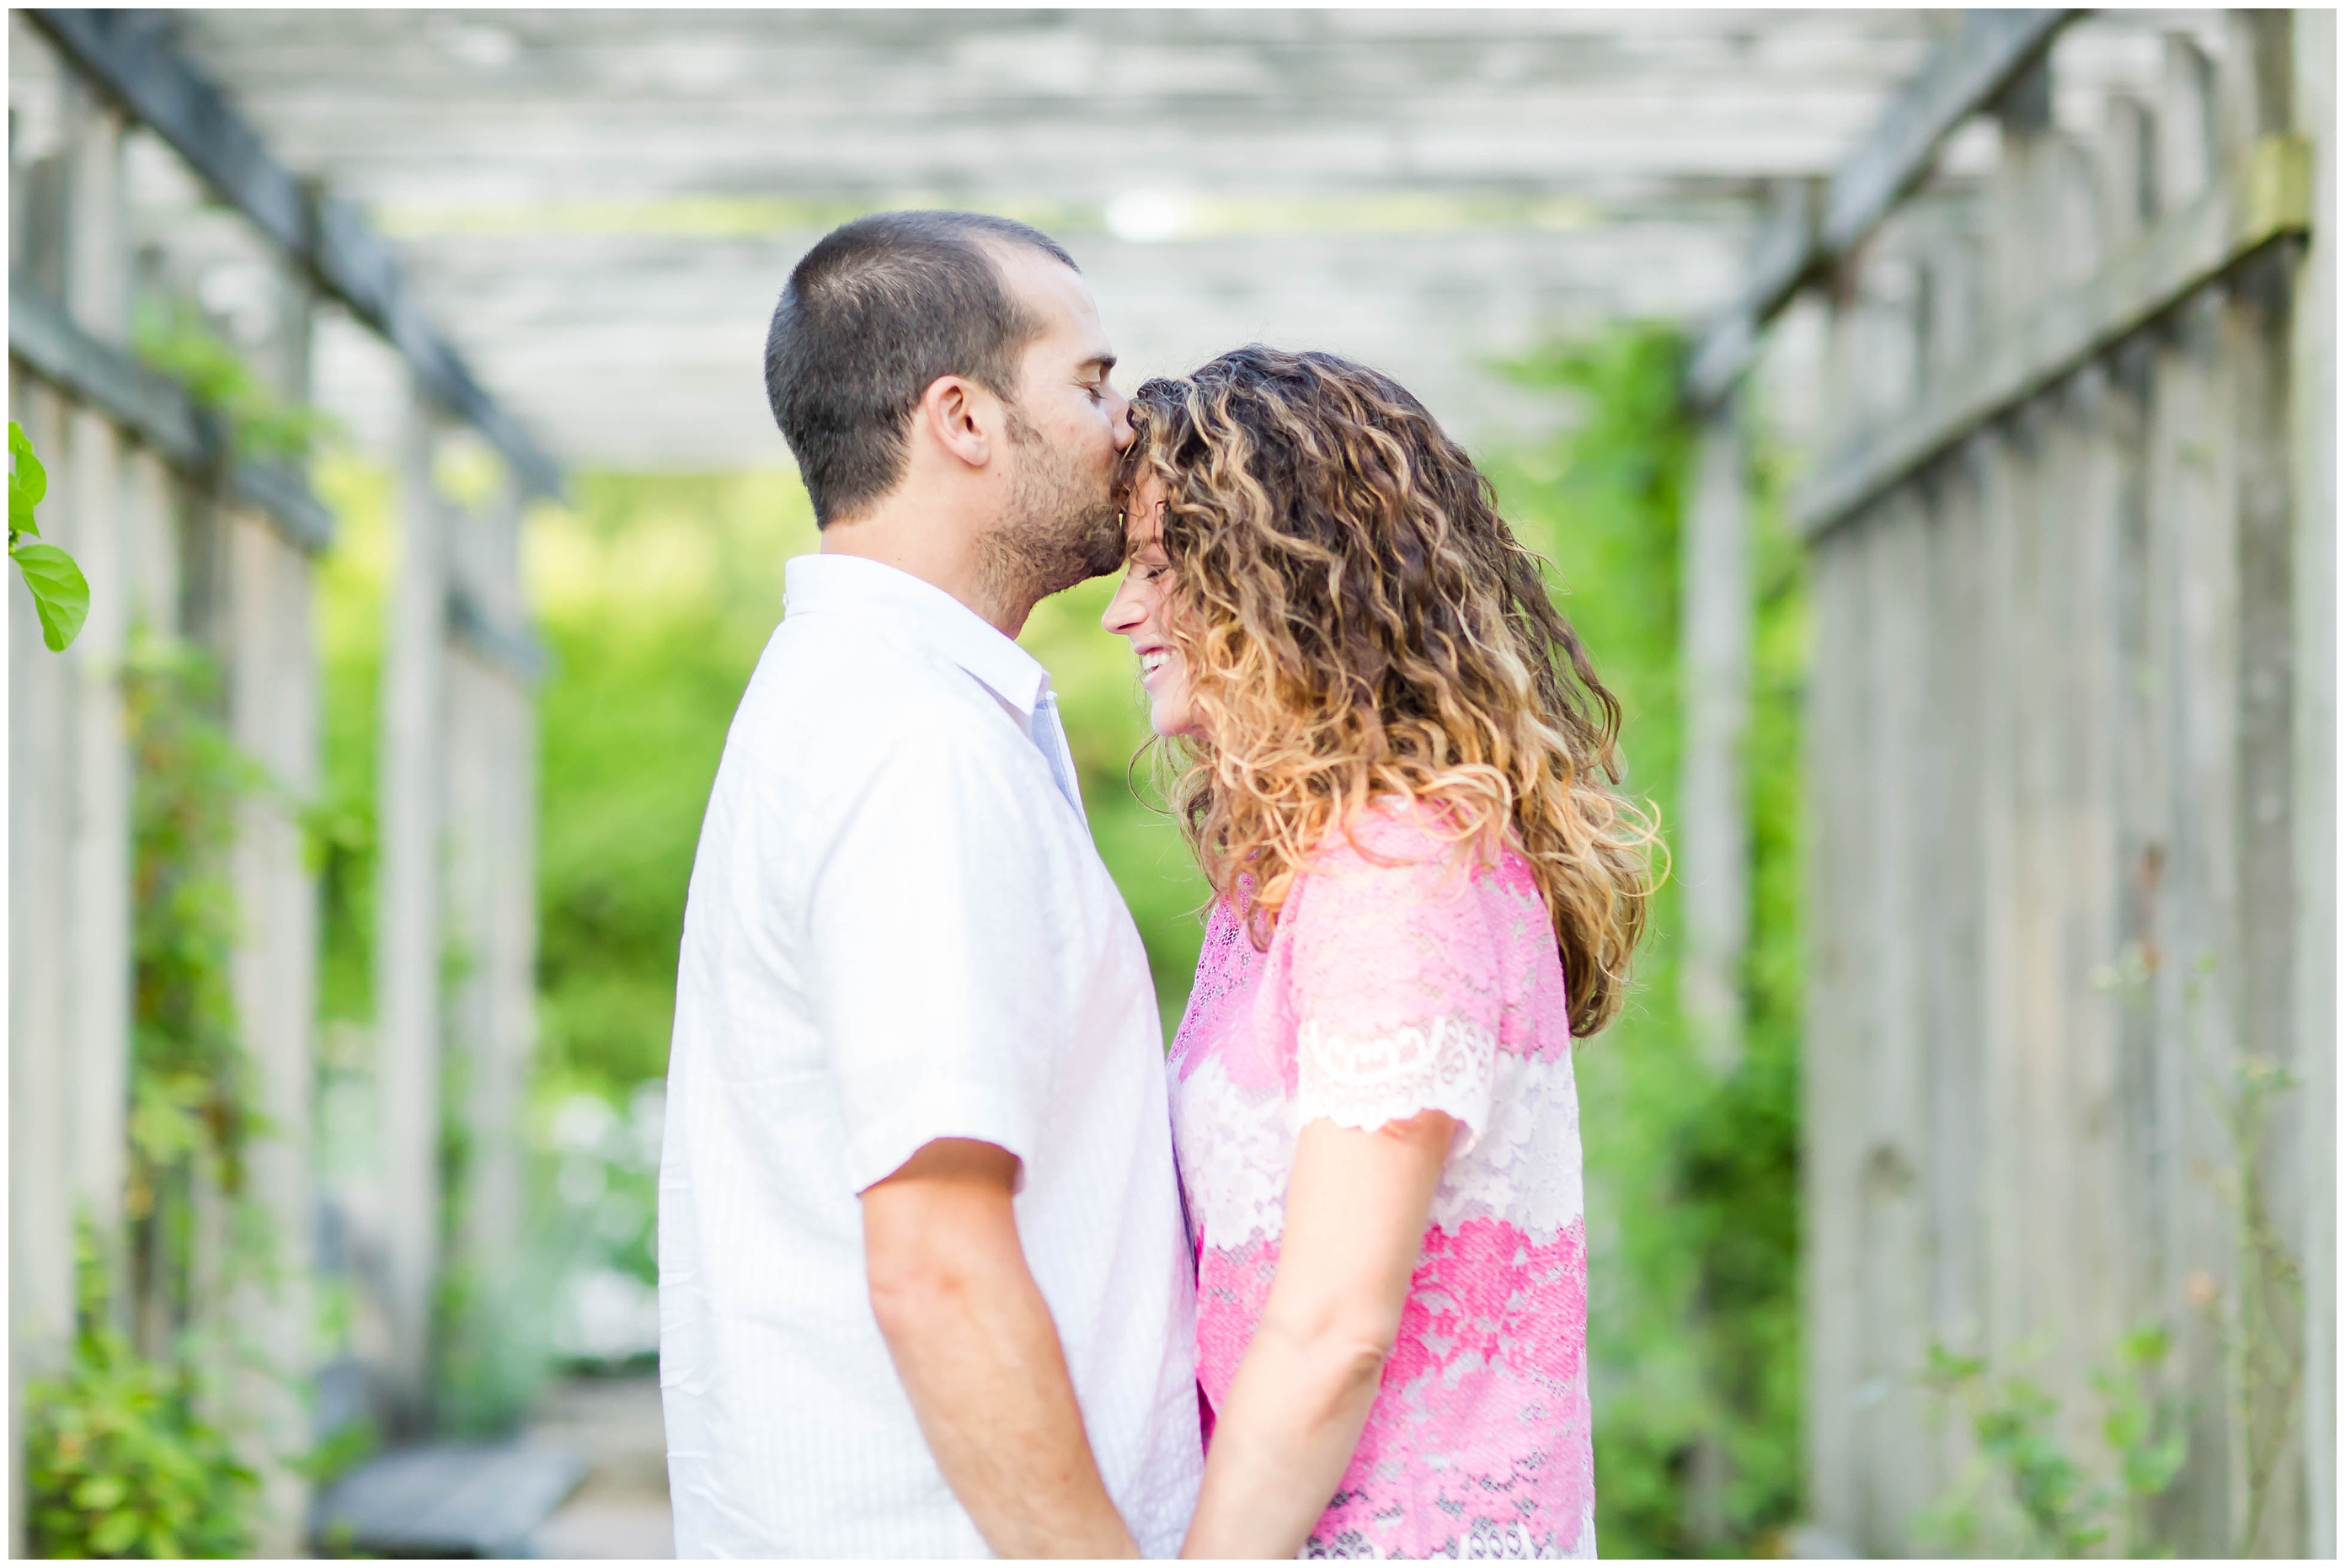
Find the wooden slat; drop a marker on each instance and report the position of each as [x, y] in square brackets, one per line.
[518, 654]
[408, 933]
[1900, 928]
[40, 796]
[1831, 1153]
[86, 486]
[1951, 799]
[2313, 412]
[127, 55]
[157, 412]
[2252, 101]
[1711, 851]
[2266, 201]
[1991, 48]
[273, 715]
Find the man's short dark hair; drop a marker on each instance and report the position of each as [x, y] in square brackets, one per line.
[873, 314]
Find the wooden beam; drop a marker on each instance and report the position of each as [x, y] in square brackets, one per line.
[1992, 50]
[518, 654]
[159, 413]
[2268, 197]
[127, 55]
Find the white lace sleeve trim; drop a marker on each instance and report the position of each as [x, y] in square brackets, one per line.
[1446, 1066]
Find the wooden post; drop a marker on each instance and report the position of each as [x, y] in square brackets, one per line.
[2254, 102]
[41, 758]
[98, 296]
[1712, 846]
[408, 1001]
[2313, 395]
[491, 897]
[509, 971]
[273, 717]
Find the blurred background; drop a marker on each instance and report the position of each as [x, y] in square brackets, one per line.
[1926, 417]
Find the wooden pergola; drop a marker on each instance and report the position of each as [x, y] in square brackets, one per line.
[558, 234]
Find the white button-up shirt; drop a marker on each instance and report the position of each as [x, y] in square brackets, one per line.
[898, 931]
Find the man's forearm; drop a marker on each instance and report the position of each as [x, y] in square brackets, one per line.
[980, 1360]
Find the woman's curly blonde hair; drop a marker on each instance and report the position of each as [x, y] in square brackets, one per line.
[1357, 622]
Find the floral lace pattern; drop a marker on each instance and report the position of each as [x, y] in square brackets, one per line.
[1398, 981]
[1443, 1066]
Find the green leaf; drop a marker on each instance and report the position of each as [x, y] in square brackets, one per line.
[100, 1493]
[60, 592]
[114, 1534]
[28, 482]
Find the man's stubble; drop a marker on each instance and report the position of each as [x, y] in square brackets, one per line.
[1062, 526]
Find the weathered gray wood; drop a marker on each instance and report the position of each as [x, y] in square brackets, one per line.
[408, 935]
[273, 702]
[1894, 1437]
[490, 892]
[97, 871]
[2110, 618]
[1950, 798]
[1711, 848]
[1830, 1154]
[40, 784]
[128, 56]
[509, 972]
[2263, 202]
[2313, 399]
[155, 412]
[509, 646]
[1982, 59]
[273, 716]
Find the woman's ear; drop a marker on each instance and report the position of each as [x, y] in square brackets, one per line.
[955, 413]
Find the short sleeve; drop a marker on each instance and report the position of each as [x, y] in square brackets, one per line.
[1393, 982]
[939, 960]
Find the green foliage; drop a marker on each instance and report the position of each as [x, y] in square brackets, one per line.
[124, 1460]
[657, 596]
[2023, 1494]
[193, 1085]
[175, 341]
[1692, 1177]
[119, 1460]
[60, 592]
[353, 579]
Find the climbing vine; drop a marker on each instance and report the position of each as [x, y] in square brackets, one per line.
[124, 1458]
[174, 339]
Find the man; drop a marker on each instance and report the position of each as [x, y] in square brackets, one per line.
[924, 1286]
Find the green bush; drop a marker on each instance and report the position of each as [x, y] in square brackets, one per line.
[120, 1460]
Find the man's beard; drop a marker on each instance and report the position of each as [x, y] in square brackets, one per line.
[1062, 526]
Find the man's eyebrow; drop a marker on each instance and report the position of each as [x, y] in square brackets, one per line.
[1105, 362]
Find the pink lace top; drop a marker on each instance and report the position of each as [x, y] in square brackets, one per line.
[1389, 989]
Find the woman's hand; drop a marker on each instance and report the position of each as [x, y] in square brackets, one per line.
[1357, 1208]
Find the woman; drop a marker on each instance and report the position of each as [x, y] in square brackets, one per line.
[1400, 786]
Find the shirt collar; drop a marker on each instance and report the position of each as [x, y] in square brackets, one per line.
[855, 585]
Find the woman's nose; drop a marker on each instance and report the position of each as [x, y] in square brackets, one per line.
[1123, 615]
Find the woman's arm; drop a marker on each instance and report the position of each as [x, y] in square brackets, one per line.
[1357, 1208]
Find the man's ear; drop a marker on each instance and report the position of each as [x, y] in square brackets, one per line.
[958, 414]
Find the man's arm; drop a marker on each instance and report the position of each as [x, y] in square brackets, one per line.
[974, 1344]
